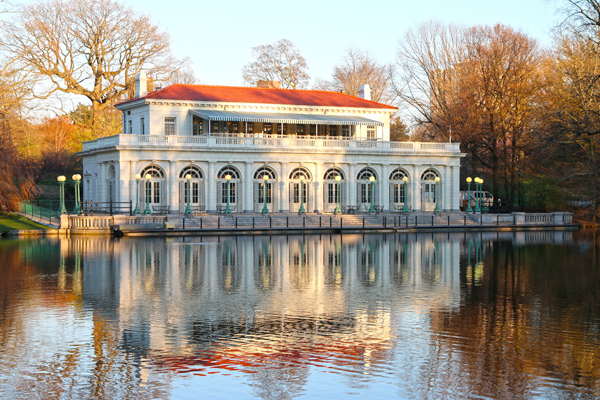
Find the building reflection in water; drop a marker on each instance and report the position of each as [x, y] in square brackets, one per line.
[430, 313]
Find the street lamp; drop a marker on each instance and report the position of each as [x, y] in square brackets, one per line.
[301, 210]
[405, 208]
[372, 208]
[147, 210]
[61, 185]
[77, 179]
[227, 208]
[437, 194]
[136, 210]
[337, 207]
[265, 209]
[469, 208]
[188, 210]
[477, 195]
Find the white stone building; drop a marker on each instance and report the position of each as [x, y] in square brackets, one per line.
[299, 139]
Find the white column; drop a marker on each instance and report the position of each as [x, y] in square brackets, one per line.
[211, 190]
[385, 187]
[446, 186]
[317, 188]
[284, 204]
[415, 187]
[173, 191]
[455, 188]
[352, 185]
[101, 183]
[122, 177]
[248, 195]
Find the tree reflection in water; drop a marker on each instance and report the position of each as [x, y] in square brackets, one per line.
[497, 315]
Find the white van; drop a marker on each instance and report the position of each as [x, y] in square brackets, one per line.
[486, 197]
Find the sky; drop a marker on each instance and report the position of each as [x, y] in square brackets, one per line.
[218, 36]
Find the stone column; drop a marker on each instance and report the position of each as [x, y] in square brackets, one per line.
[284, 203]
[123, 174]
[415, 187]
[317, 188]
[101, 183]
[211, 189]
[173, 188]
[385, 187]
[352, 185]
[248, 192]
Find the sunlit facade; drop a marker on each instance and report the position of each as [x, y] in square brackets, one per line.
[300, 140]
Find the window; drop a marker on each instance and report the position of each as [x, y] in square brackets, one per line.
[142, 127]
[197, 126]
[169, 125]
[267, 128]
[332, 130]
[130, 126]
[345, 130]
[371, 132]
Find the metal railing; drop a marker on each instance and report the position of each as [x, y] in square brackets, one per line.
[39, 214]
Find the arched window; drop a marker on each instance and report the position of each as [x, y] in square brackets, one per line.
[429, 189]
[153, 189]
[194, 171]
[231, 171]
[154, 171]
[367, 192]
[429, 175]
[365, 174]
[398, 174]
[299, 173]
[262, 171]
[332, 173]
[112, 184]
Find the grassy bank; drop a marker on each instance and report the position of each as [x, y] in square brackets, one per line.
[11, 222]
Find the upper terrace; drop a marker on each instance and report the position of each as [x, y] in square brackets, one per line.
[267, 142]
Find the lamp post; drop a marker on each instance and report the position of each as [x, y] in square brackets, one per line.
[477, 193]
[338, 210]
[61, 185]
[147, 210]
[372, 208]
[77, 179]
[227, 208]
[301, 210]
[437, 194]
[405, 207]
[265, 209]
[188, 210]
[469, 208]
[136, 210]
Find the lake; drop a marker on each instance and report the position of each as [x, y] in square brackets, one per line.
[408, 316]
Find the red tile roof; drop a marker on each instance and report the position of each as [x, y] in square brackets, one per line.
[238, 94]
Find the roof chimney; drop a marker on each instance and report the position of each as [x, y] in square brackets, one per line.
[141, 85]
[268, 84]
[364, 92]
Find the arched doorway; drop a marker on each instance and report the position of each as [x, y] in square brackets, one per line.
[364, 191]
[196, 188]
[300, 182]
[112, 184]
[398, 190]
[260, 186]
[235, 188]
[153, 192]
[429, 190]
[331, 195]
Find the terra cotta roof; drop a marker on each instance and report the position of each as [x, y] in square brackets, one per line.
[238, 94]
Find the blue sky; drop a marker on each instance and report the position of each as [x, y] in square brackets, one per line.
[218, 36]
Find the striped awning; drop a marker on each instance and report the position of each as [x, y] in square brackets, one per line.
[283, 118]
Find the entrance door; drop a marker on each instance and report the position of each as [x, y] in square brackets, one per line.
[259, 196]
[295, 189]
[429, 196]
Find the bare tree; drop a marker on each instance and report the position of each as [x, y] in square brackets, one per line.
[185, 76]
[358, 68]
[277, 62]
[92, 48]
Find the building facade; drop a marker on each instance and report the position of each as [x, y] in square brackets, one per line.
[276, 146]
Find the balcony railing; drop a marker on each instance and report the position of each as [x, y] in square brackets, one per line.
[268, 142]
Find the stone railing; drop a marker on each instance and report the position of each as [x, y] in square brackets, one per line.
[105, 222]
[268, 142]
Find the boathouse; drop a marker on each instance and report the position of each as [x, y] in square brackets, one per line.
[251, 146]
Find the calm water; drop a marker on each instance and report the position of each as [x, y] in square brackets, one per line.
[380, 316]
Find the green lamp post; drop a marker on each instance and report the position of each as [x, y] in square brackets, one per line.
[227, 208]
[136, 210]
[147, 210]
[477, 193]
[338, 209]
[372, 208]
[77, 209]
[265, 209]
[469, 208]
[188, 210]
[301, 210]
[61, 185]
[437, 194]
[405, 207]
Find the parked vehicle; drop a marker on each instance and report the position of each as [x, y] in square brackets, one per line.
[487, 199]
